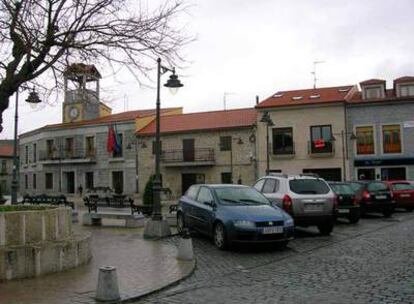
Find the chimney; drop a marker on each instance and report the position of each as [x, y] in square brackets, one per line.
[257, 100]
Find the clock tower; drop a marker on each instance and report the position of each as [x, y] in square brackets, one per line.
[81, 87]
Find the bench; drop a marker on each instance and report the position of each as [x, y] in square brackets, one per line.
[47, 199]
[131, 220]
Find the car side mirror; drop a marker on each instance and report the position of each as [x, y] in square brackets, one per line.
[211, 204]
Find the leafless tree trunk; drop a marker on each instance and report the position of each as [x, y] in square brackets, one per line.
[41, 37]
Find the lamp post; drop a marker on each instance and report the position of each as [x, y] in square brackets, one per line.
[240, 142]
[156, 227]
[269, 122]
[129, 147]
[343, 135]
[33, 100]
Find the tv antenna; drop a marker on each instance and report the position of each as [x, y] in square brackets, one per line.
[314, 71]
[225, 98]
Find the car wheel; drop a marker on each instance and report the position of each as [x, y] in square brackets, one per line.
[410, 209]
[180, 222]
[326, 228]
[354, 217]
[220, 236]
[387, 212]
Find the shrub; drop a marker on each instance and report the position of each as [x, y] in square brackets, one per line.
[148, 193]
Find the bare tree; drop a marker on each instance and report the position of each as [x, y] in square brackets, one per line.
[41, 37]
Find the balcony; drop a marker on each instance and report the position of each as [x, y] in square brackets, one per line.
[67, 156]
[182, 158]
[321, 148]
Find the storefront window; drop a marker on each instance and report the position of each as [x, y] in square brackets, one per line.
[391, 139]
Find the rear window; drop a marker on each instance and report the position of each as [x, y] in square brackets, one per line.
[342, 189]
[377, 186]
[402, 186]
[355, 186]
[308, 186]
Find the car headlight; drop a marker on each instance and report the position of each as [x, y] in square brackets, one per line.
[244, 224]
[289, 222]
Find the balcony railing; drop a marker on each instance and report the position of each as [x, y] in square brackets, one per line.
[196, 156]
[67, 155]
[321, 147]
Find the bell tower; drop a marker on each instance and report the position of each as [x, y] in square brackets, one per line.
[81, 87]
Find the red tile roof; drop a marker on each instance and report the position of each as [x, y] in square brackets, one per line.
[404, 79]
[308, 96]
[203, 121]
[372, 81]
[389, 96]
[6, 150]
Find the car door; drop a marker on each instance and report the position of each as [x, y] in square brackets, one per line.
[270, 190]
[203, 210]
[187, 205]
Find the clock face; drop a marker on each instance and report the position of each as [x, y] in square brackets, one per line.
[73, 112]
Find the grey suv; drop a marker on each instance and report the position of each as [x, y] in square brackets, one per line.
[309, 200]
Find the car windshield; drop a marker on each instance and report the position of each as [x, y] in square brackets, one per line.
[308, 186]
[355, 186]
[402, 186]
[240, 196]
[377, 186]
[342, 189]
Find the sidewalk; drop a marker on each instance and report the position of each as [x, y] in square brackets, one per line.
[142, 267]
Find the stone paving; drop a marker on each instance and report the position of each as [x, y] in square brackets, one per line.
[142, 267]
[371, 262]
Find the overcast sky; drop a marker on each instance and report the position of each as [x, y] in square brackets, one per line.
[246, 48]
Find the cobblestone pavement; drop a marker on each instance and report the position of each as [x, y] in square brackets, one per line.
[371, 262]
[142, 267]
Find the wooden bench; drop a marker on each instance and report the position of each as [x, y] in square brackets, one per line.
[47, 199]
[131, 220]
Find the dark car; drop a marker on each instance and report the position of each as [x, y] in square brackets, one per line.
[347, 203]
[403, 192]
[374, 196]
[233, 213]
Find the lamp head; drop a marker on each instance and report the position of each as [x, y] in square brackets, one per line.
[173, 83]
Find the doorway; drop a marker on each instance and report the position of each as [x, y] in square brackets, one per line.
[70, 182]
[187, 179]
[118, 181]
[89, 183]
[188, 149]
[393, 173]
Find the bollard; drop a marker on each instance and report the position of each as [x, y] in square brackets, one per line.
[107, 289]
[185, 246]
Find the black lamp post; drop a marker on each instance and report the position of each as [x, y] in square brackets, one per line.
[269, 122]
[33, 99]
[155, 227]
[344, 140]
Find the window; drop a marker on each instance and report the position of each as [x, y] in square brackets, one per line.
[282, 141]
[308, 186]
[154, 147]
[373, 93]
[365, 140]
[226, 178]
[204, 195]
[402, 186]
[34, 153]
[118, 148]
[259, 185]
[69, 147]
[118, 181]
[49, 180]
[26, 181]
[90, 146]
[49, 147]
[26, 154]
[391, 139]
[321, 139]
[34, 181]
[406, 90]
[225, 143]
[270, 185]
[192, 192]
[4, 166]
[89, 184]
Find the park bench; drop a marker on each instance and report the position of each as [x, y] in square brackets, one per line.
[47, 199]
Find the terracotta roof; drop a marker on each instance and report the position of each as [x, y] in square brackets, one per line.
[113, 118]
[6, 150]
[404, 79]
[308, 96]
[372, 81]
[203, 121]
[389, 96]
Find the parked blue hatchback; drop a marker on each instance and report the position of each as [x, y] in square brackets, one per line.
[233, 213]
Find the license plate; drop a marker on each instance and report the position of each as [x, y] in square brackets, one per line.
[380, 197]
[273, 230]
[313, 207]
[343, 210]
[405, 195]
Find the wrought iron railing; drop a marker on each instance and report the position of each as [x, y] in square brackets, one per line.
[321, 147]
[196, 155]
[66, 154]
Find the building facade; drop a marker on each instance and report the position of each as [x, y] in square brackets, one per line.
[383, 122]
[6, 165]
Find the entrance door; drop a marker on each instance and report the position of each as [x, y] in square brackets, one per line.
[118, 181]
[89, 184]
[188, 149]
[70, 182]
[393, 173]
[187, 179]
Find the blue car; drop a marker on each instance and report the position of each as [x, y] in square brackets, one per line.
[233, 213]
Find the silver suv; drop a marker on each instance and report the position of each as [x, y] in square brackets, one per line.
[309, 200]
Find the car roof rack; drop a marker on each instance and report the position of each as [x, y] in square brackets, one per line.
[279, 174]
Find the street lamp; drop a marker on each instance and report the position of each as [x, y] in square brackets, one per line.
[33, 99]
[129, 147]
[344, 140]
[269, 122]
[157, 227]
